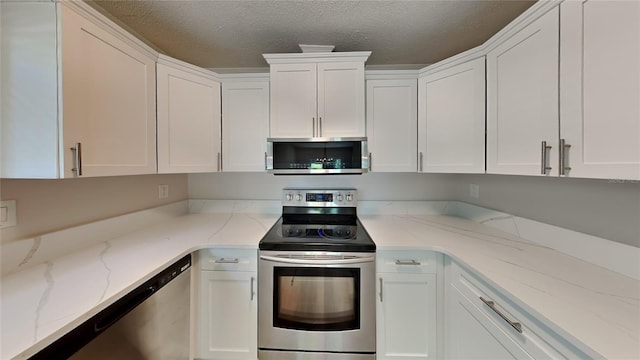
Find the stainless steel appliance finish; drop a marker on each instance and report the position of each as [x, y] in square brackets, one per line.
[287, 355]
[316, 280]
[321, 155]
[318, 302]
[150, 322]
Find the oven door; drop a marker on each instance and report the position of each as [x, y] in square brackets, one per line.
[317, 302]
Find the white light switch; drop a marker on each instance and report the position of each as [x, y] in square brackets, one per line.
[8, 213]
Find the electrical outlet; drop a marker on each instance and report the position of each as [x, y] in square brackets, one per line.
[163, 191]
[474, 190]
[8, 213]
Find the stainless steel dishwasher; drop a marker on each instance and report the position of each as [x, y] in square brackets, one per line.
[150, 322]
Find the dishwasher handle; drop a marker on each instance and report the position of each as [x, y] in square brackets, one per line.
[123, 307]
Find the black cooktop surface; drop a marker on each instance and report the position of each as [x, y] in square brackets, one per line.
[344, 235]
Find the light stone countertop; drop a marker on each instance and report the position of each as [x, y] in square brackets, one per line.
[596, 306]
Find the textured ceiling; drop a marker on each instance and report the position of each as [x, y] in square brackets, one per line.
[233, 34]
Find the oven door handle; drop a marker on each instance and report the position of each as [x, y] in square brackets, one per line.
[311, 261]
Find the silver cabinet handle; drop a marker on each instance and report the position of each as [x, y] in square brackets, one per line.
[313, 126]
[265, 161]
[251, 289]
[407, 262]
[492, 306]
[370, 161]
[380, 289]
[77, 159]
[227, 261]
[320, 127]
[544, 168]
[219, 162]
[420, 161]
[564, 147]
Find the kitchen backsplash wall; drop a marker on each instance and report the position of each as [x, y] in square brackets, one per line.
[608, 209]
[373, 186]
[48, 205]
[602, 208]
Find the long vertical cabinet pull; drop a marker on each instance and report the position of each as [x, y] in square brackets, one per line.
[251, 288]
[77, 159]
[370, 161]
[320, 126]
[543, 166]
[313, 127]
[265, 161]
[219, 162]
[380, 289]
[562, 157]
[420, 162]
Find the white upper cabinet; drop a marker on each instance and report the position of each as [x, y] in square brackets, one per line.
[293, 100]
[600, 88]
[80, 102]
[245, 122]
[451, 125]
[188, 118]
[317, 95]
[522, 100]
[341, 94]
[392, 124]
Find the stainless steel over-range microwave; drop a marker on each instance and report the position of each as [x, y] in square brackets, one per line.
[317, 156]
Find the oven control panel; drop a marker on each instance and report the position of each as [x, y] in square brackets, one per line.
[319, 198]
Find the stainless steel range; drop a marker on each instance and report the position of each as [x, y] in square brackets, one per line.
[316, 288]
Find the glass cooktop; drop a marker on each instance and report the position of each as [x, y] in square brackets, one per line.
[339, 237]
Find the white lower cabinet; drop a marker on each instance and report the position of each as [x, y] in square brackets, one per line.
[407, 305]
[482, 323]
[227, 312]
[473, 335]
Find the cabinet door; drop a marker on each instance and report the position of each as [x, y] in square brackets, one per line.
[108, 101]
[406, 316]
[228, 319]
[188, 122]
[471, 334]
[341, 99]
[522, 100]
[391, 125]
[293, 100]
[245, 124]
[600, 88]
[452, 119]
[29, 94]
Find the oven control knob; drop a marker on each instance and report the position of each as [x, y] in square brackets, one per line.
[298, 197]
[340, 197]
[349, 197]
[289, 197]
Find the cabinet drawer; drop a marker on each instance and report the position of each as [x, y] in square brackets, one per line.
[228, 259]
[522, 327]
[406, 261]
